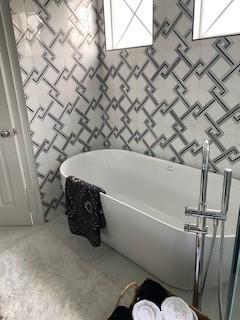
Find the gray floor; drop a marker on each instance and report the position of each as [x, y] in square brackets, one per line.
[48, 273]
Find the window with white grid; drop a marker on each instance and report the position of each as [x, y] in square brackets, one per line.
[128, 23]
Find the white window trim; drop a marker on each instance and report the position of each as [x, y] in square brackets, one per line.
[197, 22]
[108, 22]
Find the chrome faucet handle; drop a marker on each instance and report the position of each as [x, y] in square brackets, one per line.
[192, 227]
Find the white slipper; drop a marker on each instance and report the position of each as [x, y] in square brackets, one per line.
[146, 310]
[177, 308]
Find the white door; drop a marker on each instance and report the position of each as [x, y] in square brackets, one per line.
[14, 207]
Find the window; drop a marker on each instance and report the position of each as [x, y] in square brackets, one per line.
[214, 18]
[128, 23]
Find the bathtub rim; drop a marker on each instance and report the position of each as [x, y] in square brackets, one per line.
[156, 219]
[170, 163]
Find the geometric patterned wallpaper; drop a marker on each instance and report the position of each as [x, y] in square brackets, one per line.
[161, 100]
[164, 100]
[57, 43]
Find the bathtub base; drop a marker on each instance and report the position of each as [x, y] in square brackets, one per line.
[156, 247]
[142, 240]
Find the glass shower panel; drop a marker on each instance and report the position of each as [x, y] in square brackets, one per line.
[233, 307]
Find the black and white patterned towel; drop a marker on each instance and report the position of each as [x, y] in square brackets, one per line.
[84, 209]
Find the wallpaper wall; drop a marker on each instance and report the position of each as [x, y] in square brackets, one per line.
[162, 100]
[166, 99]
[57, 43]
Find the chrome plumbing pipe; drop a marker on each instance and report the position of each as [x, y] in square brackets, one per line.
[200, 228]
[208, 213]
[201, 225]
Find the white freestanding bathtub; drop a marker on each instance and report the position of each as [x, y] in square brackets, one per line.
[144, 209]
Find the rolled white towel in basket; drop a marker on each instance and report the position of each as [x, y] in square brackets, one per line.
[147, 310]
[177, 309]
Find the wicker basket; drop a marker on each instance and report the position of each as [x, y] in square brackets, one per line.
[135, 287]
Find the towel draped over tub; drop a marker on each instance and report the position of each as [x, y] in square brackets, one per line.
[84, 209]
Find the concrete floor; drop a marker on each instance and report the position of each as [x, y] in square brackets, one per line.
[48, 273]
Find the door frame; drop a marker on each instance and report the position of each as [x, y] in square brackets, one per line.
[19, 117]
